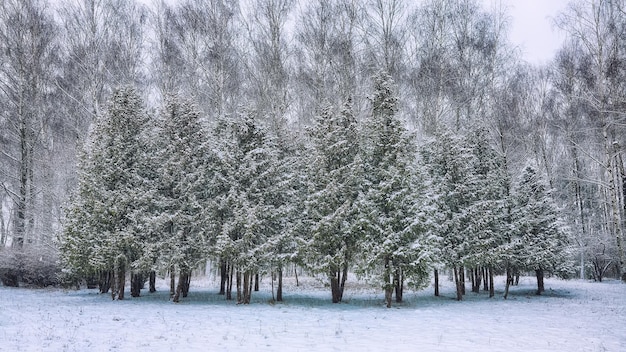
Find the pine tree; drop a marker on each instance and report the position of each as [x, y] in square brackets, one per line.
[394, 240]
[540, 240]
[334, 175]
[245, 213]
[448, 163]
[101, 232]
[179, 232]
[488, 208]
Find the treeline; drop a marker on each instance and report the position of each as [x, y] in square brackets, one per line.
[284, 64]
[168, 193]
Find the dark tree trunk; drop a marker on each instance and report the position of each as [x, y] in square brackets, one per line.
[172, 281]
[540, 287]
[458, 283]
[508, 283]
[342, 282]
[334, 287]
[256, 282]
[491, 288]
[436, 283]
[239, 293]
[186, 280]
[477, 276]
[136, 282]
[223, 276]
[389, 285]
[229, 290]
[486, 280]
[104, 281]
[247, 288]
[121, 281]
[279, 290]
[462, 279]
[113, 285]
[399, 281]
[152, 282]
[182, 289]
[295, 271]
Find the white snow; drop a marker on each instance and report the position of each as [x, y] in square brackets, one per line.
[570, 316]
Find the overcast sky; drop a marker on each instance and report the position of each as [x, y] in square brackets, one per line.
[532, 27]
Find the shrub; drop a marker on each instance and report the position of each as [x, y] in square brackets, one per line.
[33, 265]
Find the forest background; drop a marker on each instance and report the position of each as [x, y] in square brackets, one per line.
[443, 74]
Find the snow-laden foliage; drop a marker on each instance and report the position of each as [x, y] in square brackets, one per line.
[177, 226]
[487, 212]
[335, 179]
[102, 232]
[539, 238]
[393, 243]
[251, 202]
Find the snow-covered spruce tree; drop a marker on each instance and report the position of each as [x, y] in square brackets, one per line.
[335, 177]
[287, 194]
[245, 212]
[101, 232]
[393, 242]
[487, 209]
[539, 238]
[179, 229]
[448, 163]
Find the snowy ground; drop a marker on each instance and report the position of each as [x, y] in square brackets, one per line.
[571, 316]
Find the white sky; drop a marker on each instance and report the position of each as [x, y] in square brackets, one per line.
[532, 27]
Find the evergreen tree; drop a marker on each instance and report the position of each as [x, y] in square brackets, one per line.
[539, 239]
[448, 163]
[488, 206]
[185, 164]
[394, 240]
[334, 174]
[246, 213]
[101, 232]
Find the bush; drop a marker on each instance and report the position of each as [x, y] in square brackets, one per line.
[33, 265]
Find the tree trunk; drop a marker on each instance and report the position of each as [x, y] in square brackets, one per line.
[279, 290]
[334, 286]
[152, 281]
[239, 293]
[436, 283]
[399, 283]
[540, 287]
[104, 281]
[186, 282]
[458, 283]
[247, 287]
[485, 274]
[389, 286]
[172, 281]
[223, 276]
[491, 288]
[121, 281]
[295, 271]
[179, 290]
[478, 277]
[342, 282]
[508, 282]
[136, 281]
[229, 290]
[113, 285]
[256, 282]
[462, 279]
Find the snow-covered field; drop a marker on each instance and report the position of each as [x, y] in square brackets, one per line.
[571, 316]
